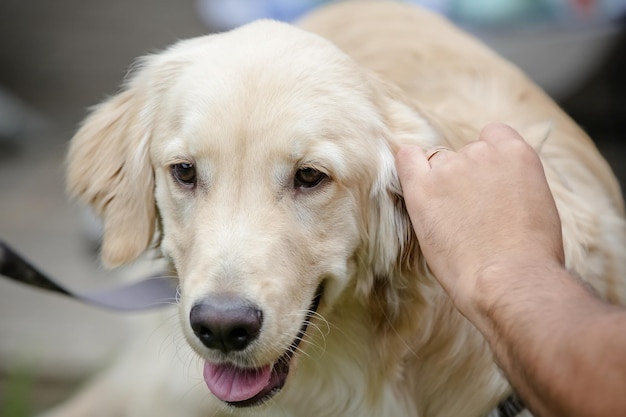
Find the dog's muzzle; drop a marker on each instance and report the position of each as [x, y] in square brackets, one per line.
[237, 386]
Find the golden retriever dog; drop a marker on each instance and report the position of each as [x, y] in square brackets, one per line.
[260, 162]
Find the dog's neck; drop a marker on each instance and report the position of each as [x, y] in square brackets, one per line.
[350, 376]
[365, 380]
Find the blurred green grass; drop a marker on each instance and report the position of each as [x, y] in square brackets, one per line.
[16, 399]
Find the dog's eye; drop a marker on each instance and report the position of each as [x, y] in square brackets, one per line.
[185, 173]
[308, 177]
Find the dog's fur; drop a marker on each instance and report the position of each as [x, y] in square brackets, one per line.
[252, 106]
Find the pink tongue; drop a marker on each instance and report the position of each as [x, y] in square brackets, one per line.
[232, 384]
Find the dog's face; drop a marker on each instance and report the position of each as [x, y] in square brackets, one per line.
[268, 156]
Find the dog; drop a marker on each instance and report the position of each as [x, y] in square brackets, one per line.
[260, 162]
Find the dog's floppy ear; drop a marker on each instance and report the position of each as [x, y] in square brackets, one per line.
[393, 248]
[108, 168]
[391, 238]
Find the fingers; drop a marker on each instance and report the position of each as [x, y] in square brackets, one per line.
[411, 160]
[508, 143]
[437, 152]
[497, 132]
[411, 163]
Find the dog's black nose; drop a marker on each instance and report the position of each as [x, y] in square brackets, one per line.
[226, 323]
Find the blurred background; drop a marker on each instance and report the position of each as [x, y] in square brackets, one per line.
[59, 57]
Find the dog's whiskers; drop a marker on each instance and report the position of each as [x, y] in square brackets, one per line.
[178, 294]
[392, 327]
[311, 340]
[320, 317]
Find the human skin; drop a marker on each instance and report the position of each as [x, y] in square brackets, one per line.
[490, 232]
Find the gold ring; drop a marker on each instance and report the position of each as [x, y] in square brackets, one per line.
[434, 151]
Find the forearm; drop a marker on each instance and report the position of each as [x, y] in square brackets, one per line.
[563, 350]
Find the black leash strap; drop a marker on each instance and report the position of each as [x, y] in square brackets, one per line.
[510, 406]
[147, 294]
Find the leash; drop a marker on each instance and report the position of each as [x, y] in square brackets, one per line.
[150, 293]
[511, 406]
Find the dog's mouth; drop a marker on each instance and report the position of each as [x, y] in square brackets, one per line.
[246, 387]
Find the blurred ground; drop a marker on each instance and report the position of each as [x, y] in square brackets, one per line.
[59, 57]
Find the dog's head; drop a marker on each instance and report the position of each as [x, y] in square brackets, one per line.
[265, 159]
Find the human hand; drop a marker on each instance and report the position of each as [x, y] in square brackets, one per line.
[486, 207]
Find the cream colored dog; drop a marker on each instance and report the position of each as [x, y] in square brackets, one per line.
[263, 161]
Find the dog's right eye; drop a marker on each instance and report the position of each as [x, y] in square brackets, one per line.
[184, 173]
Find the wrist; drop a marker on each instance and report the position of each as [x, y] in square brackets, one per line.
[501, 293]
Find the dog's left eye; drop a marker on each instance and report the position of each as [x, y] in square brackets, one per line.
[308, 177]
[184, 173]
